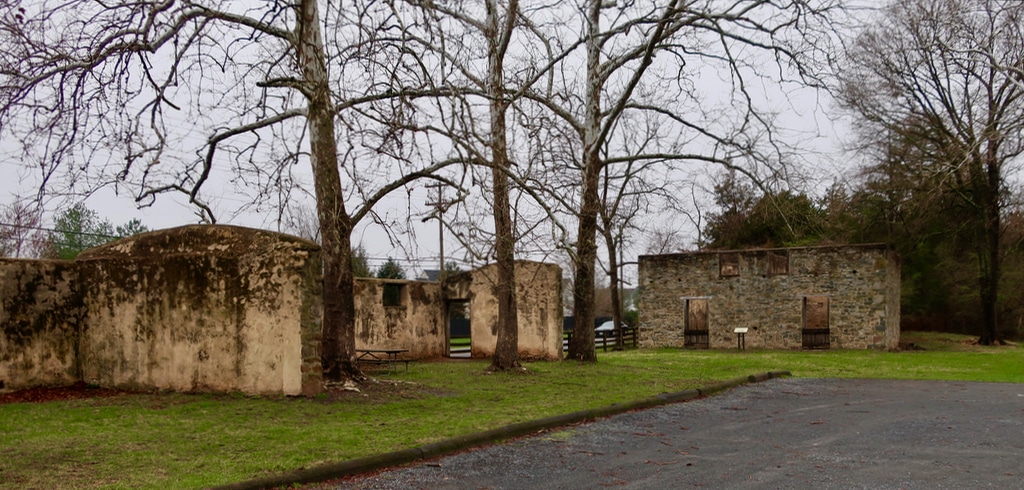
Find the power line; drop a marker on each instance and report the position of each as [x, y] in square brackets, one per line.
[412, 261]
[52, 230]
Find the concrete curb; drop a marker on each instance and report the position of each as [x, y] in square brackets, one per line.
[332, 471]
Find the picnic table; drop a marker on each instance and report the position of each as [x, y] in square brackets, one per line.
[382, 357]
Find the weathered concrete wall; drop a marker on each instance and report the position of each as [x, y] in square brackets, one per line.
[539, 309]
[860, 282]
[203, 308]
[221, 308]
[416, 322]
[40, 309]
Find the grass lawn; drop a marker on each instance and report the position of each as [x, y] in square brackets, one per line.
[461, 342]
[188, 441]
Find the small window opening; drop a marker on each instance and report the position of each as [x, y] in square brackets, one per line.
[778, 263]
[729, 264]
[392, 295]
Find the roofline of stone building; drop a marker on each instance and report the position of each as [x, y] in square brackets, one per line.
[878, 245]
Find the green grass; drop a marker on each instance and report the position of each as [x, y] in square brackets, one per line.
[461, 342]
[188, 441]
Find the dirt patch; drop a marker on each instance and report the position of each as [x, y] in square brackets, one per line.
[372, 391]
[375, 390]
[77, 391]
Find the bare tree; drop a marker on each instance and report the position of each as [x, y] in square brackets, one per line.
[498, 31]
[629, 189]
[300, 221]
[944, 80]
[472, 41]
[21, 232]
[618, 208]
[121, 93]
[621, 75]
[664, 240]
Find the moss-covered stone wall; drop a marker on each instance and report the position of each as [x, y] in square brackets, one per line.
[40, 314]
[409, 315]
[223, 308]
[196, 308]
[538, 309]
[413, 314]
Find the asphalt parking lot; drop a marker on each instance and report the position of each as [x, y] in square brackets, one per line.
[782, 433]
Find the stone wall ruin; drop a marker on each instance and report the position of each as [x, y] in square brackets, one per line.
[538, 308]
[221, 309]
[844, 297]
[40, 311]
[197, 308]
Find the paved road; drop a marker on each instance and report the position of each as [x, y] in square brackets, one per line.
[783, 433]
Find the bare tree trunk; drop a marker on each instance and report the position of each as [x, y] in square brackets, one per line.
[338, 342]
[581, 347]
[613, 286]
[991, 260]
[506, 352]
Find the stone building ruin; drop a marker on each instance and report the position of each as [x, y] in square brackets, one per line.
[414, 315]
[845, 297]
[223, 308]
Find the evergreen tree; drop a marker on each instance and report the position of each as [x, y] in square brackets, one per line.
[390, 270]
[360, 265]
[79, 228]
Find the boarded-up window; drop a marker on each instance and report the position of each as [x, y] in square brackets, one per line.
[778, 263]
[392, 294]
[729, 264]
[695, 329]
[816, 320]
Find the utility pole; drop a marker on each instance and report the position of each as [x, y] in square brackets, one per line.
[440, 205]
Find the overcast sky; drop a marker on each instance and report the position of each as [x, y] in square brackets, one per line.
[802, 115]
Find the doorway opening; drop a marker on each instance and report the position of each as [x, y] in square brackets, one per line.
[695, 328]
[459, 332]
[816, 322]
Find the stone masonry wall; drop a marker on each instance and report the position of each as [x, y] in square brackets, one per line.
[861, 284]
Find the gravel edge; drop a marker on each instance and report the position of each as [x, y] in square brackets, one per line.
[332, 471]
